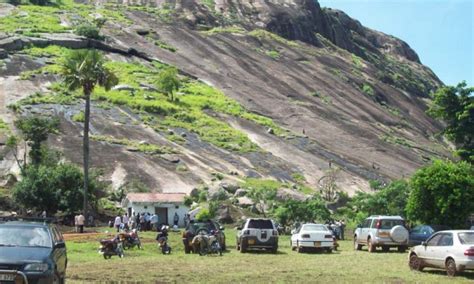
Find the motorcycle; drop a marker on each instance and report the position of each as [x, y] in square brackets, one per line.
[130, 239]
[210, 244]
[110, 247]
[162, 239]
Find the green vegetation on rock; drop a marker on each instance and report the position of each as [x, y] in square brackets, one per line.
[135, 145]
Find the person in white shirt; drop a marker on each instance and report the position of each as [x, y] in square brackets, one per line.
[125, 220]
[117, 223]
[80, 222]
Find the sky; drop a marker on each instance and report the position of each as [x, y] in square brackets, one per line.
[440, 31]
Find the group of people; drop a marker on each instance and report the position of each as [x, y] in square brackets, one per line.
[337, 227]
[140, 221]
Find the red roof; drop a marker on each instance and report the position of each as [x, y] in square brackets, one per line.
[156, 197]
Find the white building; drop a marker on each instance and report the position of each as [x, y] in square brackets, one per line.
[165, 205]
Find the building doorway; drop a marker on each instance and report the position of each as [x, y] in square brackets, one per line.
[162, 213]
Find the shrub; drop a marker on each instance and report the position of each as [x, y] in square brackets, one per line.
[89, 31]
[203, 215]
[442, 193]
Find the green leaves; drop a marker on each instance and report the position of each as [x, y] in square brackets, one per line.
[85, 69]
[168, 81]
[442, 193]
[455, 106]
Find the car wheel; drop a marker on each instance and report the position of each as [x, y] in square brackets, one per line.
[299, 248]
[415, 263]
[401, 248]
[451, 267]
[329, 250]
[370, 246]
[356, 245]
[385, 248]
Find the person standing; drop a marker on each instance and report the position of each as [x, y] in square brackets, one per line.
[154, 222]
[125, 220]
[187, 219]
[176, 219]
[80, 222]
[43, 214]
[343, 227]
[147, 221]
[142, 222]
[117, 222]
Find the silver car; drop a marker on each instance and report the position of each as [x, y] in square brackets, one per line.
[381, 231]
[451, 250]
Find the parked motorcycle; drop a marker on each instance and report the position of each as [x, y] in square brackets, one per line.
[162, 239]
[130, 239]
[110, 247]
[210, 244]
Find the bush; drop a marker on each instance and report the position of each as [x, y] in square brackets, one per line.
[203, 215]
[292, 211]
[52, 188]
[89, 31]
[442, 193]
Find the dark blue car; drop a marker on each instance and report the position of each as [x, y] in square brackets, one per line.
[32, 250]
[422, 232]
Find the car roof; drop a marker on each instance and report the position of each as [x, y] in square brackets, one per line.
[455, 231]
[386, 217]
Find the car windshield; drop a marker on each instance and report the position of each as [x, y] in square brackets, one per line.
[314, 227]
[202, 225]
[388, 224]
[25, 237]
[466, 238]
[260, 224]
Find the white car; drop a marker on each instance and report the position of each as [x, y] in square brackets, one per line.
[312, 236]
[451, 250]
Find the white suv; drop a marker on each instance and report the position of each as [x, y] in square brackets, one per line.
[382, 231]
[258, 234]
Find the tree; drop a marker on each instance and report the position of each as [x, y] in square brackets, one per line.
[291, 211]
[388, 200]
[455, 106]
[86, 69]
[442, 193]
[327, 185]
[262, 197]
[35, 130]
[168, 81]
[52, 188]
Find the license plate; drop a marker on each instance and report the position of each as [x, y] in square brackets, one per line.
[317, 244]
[7, 277]
[251, 242]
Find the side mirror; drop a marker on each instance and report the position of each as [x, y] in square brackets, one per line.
[221, 228]
[424, 244]
[293, 231]
[59, 245]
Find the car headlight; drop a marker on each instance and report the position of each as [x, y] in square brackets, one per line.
[41, 267]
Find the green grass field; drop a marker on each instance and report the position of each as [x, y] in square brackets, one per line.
[150, 266]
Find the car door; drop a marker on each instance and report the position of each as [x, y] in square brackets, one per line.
[365, 230]
[440, 251]
[429, 251]
[59, 251]
[416, 235]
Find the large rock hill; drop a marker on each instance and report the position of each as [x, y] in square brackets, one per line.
[314, 89]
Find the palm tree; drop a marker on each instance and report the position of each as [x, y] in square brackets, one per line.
[85, 69]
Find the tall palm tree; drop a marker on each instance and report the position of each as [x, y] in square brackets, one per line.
[84, 69]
